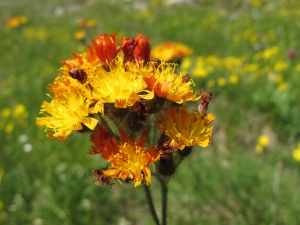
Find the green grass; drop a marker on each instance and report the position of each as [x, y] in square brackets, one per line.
[226, 183]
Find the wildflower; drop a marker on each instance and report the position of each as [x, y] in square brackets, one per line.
[296, 153]
[17, 21]
[186, 63]
[211, 83]
[120, 86]
[221, 81]
[6, 112]
[129, 159]
[171, 51]
[143, 48]
[282, 86]
[79, 35]
[185, 129]
[106, 48]
[234, 79]
[91, 23]
[292, 53]
[9, 127]
[128, 47]
[65, 113]
[87, 61]
[262, 142]
[165, 84]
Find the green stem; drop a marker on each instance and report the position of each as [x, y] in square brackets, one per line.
[150, 204]
[164, 194]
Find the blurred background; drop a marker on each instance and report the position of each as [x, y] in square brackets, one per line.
[246, 52]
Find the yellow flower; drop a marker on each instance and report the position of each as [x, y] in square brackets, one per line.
[259, 149]
[9, 127]
[185, 129]
[6, 112]
[13, 22]
[17, 21]
[221, 81]
[282, 86]
[91, 23]
[186, 63]
[20, 112]
[65, 113]
[129, 159]
[280, 66]
[121, 86]
[211, 83]
[79, 35]
[170, 51]
[296, 153]
[234, 79]
[263, 140]
[165, 84]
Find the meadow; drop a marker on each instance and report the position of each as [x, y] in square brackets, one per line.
[245, 52]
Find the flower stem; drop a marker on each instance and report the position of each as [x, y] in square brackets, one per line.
[151, 205]
[164, 194]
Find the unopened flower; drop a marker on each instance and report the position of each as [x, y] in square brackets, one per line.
[143, 48]
[106, 48]
[129, 159]
[185, 129]
[66, 113]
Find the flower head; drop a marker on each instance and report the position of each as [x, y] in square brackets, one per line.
[121, 86]
[129, 159]
[165, 84]
[185, 129]
[66, 112]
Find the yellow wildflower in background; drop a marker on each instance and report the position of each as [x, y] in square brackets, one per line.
[17, 21]
[282, 86]
[296, 153]
[211, 83]
[221, 81]
[234, 79]
[185, 129]
[280, 66]
[186, 63]
[6, 112]
[80, 35]
[262, 142]
[170, 51]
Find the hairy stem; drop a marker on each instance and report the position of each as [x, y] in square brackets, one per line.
[150, 204]
[164, 194]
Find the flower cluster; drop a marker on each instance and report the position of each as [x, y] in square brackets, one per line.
[119, 80]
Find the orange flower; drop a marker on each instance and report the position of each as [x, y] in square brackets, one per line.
[129, 159]
[106, 48]
[143, 48]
